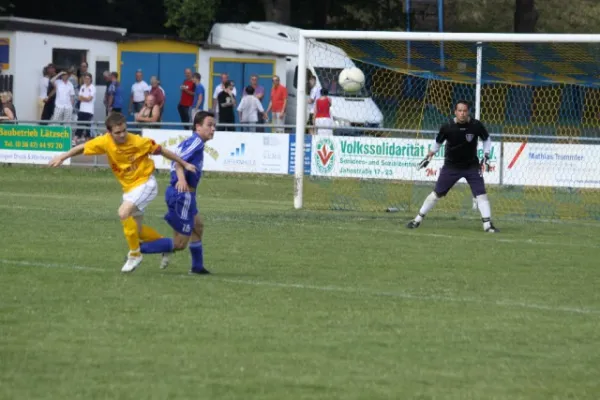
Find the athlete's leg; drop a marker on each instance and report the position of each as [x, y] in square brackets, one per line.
[446, 180]
[196, 249]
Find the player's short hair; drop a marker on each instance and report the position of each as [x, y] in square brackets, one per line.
[201, 116]
[227, 84]
[324, 92]
[197, 76]
[249, 89]
[465, 102]
[115, 119]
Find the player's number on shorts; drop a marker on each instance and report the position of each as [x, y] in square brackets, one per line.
[187, 228]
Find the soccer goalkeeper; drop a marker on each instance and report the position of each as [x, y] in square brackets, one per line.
[461, 136]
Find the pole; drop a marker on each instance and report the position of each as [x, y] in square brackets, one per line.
[478, 80]
[441, 29]
[300, 121]
[407, 11]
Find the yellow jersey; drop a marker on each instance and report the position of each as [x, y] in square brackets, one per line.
[130, 161]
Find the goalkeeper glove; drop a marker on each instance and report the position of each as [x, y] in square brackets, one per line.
[484, 165]
[423, 163]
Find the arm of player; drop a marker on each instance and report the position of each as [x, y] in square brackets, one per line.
[61, 158]
[487, 146]
[169, 155]
[181, 184]
[439, 140]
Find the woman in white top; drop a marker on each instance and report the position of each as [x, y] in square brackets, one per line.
[248, 110]
[87, 95]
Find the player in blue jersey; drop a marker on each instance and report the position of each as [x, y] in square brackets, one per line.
[180, 196]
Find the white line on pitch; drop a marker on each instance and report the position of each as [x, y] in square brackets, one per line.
[339, 289]
[48, 265]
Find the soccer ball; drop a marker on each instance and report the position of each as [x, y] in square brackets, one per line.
[351, 79]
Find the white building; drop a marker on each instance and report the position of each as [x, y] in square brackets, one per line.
[28, 45]
[32, 44]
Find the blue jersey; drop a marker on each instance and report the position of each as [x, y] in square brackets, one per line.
[190, 150]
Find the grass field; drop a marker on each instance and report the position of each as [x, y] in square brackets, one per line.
[301, 305]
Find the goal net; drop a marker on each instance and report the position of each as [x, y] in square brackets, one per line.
[540, 101]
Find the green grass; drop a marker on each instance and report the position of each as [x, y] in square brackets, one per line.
[301, 305]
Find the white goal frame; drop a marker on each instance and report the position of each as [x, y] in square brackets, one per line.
[478, 38]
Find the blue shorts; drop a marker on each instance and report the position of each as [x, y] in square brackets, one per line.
[181, 210]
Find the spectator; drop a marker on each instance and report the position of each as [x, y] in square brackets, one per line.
[278, 104]
[83, 69]
[87, 95]
[149, 113]
[158, 92]
[219, 89]
[115, 94]
[108, 82]
[250, 109]
[72, 71]
[8, 114]
[50, 100]
[139, 90]
[42, 90]
[259, 93]
[198, 96]
[323, 121]
[65, 97]
[315, 93]
[226, 102]
[187, 97]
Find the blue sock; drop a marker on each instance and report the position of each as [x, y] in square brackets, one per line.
[164, 245]
[197, 256]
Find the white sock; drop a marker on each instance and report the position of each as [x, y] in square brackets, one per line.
[484, 208]
[428, 204]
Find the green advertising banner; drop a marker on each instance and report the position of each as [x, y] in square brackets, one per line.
[33, 144]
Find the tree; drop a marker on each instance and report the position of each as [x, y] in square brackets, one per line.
[191, 18]
[279, 11]
[526, 16]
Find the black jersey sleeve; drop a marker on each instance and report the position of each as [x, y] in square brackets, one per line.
[483, 133]
[441, 136]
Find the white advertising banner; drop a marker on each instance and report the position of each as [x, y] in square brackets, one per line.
[265, 153]
[545, 164]
[384, 158]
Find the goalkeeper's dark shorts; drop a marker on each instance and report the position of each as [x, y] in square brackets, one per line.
[449, 176]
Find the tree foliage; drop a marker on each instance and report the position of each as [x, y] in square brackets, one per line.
[190, 18]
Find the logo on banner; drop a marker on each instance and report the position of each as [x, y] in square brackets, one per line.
[239, 157]
[469, 137]
[325, 155]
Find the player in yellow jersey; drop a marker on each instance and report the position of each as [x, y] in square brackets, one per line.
[129, 158]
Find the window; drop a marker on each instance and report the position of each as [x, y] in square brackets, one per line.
[309, 74]
[64, 59]
[101, 67]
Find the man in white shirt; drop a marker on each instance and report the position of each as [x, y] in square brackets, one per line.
[139, 91]
[65, 97]
[218, 90]
[87, 95]
[249, 110]
[315, 93]
[43, 90]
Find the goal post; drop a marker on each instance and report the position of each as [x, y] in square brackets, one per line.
[538, 94]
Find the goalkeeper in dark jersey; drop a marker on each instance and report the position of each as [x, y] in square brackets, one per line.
[461, 136]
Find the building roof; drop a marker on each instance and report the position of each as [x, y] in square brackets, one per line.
[210, 46]
[62, 28]
[132, 37]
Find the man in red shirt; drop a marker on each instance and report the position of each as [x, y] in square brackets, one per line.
[278, 104]
[187, 97]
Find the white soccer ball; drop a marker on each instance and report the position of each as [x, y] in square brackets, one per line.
[351, 79]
